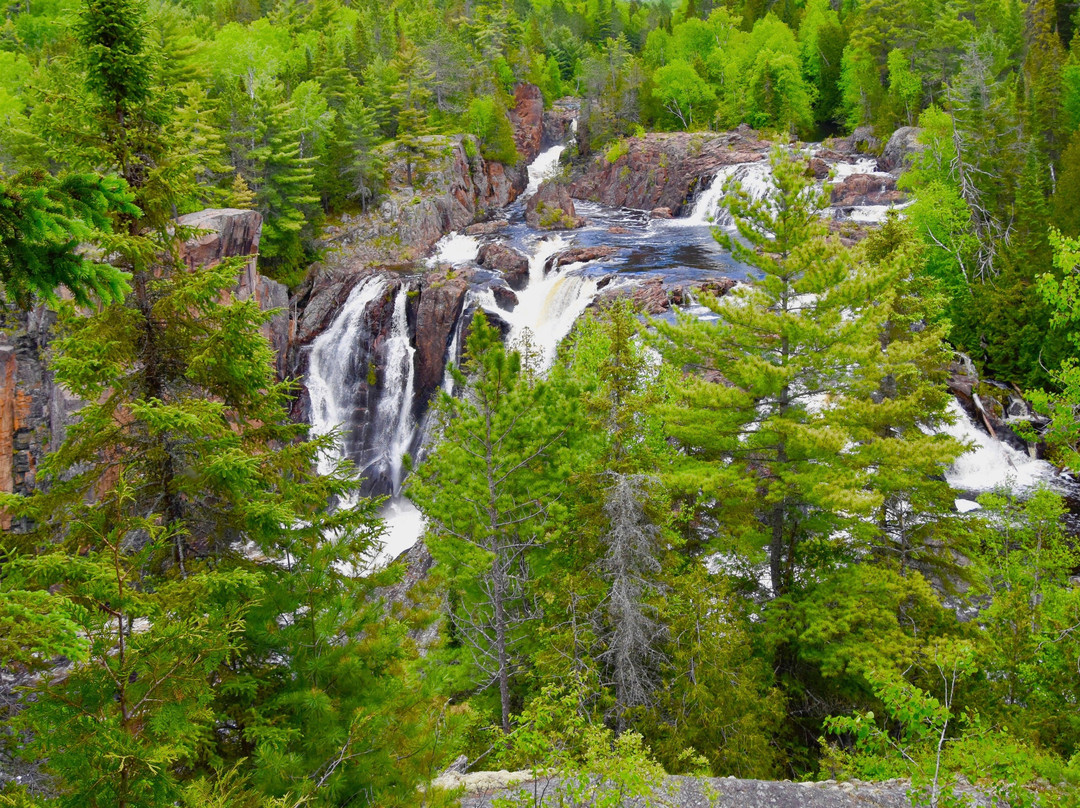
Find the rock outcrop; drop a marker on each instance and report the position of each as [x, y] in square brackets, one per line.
[654, 296]
[452, 191]
[662, 170]
[527, 118]
[222, 233]
[902, 146]
[442, 294]
[559, 121]
[867, 189]
[552, 208]
[35, 412]
[728, 792]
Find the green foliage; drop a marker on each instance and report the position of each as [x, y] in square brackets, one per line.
[592, 765]
[487, 120]
[42, 222]
[501, 446]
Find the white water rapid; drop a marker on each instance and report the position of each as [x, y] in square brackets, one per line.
[548, 307]
[456, 249]
[545, 166]
[332, 367]
[362, 370]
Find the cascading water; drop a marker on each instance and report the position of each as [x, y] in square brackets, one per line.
[548, 307]
[335, 368]
[381, 423]
[755, 179]
[395, 427]
[545, 166]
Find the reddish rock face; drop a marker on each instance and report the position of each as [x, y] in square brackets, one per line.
[661, 170]
[527, 117]
[442, 294]
[583, 255]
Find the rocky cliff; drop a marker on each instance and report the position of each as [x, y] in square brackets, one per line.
[35, 412]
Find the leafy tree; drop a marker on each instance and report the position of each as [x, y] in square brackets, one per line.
[487, 120]
[682, 91]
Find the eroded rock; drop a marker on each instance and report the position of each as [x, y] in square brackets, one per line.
[551, 208]
[513, 265]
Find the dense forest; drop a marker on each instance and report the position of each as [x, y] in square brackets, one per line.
[718, 545]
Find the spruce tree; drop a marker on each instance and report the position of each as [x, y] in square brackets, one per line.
[411, 97]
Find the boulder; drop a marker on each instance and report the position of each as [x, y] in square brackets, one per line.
[864, 141]
[527, 117]
[513, 265]
[551, 208]
[442, 294]
[559, 121]
[902, 146]
[486, 228]
[504, 296]
[819, 168]
[866, 189]
[583, 255]
[661, 213]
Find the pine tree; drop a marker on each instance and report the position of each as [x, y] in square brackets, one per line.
[411, 97]
[772, 439]
[491, 489]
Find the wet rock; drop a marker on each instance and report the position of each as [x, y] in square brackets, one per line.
[486, 228]
[819, 168]
[442, 294]
[583, 255]
[903, 145]
[527, 117]
[513, 265]
[619, 231]
[505, 297]
[551, 208]
[559, 121]
[867, 189]
[662, 170]
[661, 213]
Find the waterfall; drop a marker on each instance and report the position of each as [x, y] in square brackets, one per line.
[335, 367]
[990, 463]
[545, 166]
[394, 422]
[756, 180]
[548, 307]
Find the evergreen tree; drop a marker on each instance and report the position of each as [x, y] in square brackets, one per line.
[411, 97]
[798, 357]
[42, 221]
[491, 489]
